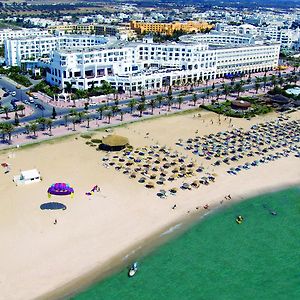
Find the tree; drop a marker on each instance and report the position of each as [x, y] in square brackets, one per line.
[66, 120]
[2, 130]
[8, 130]
[179, 101]
[86, 106]
[17, 121]
[6, 110]
[217, 95]
[68, 87]
[49, 125]
[238, 88]
[226, 91]
[54, 114]
[213, 86]
[194, 99]
[249, 79]
[256, 87]
[109, 115]
[170, 93]
[114, 110]
[281, 81]
[152, 104]
[27, 128]
[100, 110]
[143, 97]
[132, 103]
[141, 107]
[42, 121]
[265, 79]
[169, 102]
[33, 127]
[207, 92]
[121, 115]
[273, 80]
[80, 116]
[21, 108]
[74, 121]
[159, 99]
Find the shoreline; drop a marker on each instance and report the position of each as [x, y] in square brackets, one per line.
[148, 245]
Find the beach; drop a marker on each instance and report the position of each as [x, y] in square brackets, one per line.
[97, 231]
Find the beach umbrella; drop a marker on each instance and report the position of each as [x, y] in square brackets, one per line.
[153, 176]
[173, 190]
[196, 183]
[132, 175]
[186, 186]
[150, 185]
[142, 180]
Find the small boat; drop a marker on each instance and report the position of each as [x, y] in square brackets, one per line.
[133, 269]
[239, 219]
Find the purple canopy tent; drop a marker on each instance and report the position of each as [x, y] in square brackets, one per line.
[60, 189]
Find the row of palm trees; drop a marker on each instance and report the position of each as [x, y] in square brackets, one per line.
[6, 129]
[39, 124]
[20, 107]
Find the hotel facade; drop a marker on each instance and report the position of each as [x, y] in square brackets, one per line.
[148, 65]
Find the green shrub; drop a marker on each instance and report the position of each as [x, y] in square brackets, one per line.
[85, 136]
[96, 141]
[88, 143]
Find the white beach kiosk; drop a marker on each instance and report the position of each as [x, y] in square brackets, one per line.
[27, 177]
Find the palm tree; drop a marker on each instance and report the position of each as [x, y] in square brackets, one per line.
[8, 130]
[27, 128]
[109, 115]
[68, 87]
[179, 101]
[114, 110]
[238, 88]
[207, 92]
[80, 116]
[169, 102]
[132, 103]
[74, 121]
[72, 112]
[217, 95]
[121, 115]
[273, 80]
[66, 120]
[6, 110]
[249, 79]
[159, 99]
[226, 91]
[143, 97]
[17, 122]
[100, 110]
[141, 107]
[281, 81]
[42, 121]
[2, 130]
[152, 104]
[265, 79]
[49, 125]
[256, 87]
[194, 99]
[33, 127]
[21, 108]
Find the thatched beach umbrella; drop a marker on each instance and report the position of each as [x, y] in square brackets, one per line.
[173, 190]
[196, 184]
[113, 143]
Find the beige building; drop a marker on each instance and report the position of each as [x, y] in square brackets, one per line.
[169, 28]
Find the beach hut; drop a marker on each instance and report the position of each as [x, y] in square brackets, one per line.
[27, 177]
[114, 143]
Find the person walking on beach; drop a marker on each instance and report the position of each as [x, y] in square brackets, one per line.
[55, 222]
[174, 206]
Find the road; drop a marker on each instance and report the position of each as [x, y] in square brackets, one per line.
[48, 109]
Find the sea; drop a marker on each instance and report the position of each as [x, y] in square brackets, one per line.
[216, 258]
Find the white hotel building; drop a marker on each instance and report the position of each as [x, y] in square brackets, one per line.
[18, 50]
[14, 34]
[148, 65]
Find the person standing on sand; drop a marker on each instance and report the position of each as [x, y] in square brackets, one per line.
[174, 206]
[55, 222]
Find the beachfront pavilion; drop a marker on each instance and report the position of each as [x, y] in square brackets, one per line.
[240, 105]
[114, 143]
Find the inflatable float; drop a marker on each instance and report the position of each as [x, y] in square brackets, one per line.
[239, 219]
[133, 269]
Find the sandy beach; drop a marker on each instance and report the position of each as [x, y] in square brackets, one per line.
[96, 231]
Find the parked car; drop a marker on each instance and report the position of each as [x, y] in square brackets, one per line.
[35, 97]
[18, 86]
[31, 100]
[39, 106]
[13, 93]
[5, 94]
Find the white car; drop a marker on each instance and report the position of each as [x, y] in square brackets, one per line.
[13, 93]
[31, 100]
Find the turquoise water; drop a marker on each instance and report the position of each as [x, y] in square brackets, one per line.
[218, 259]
